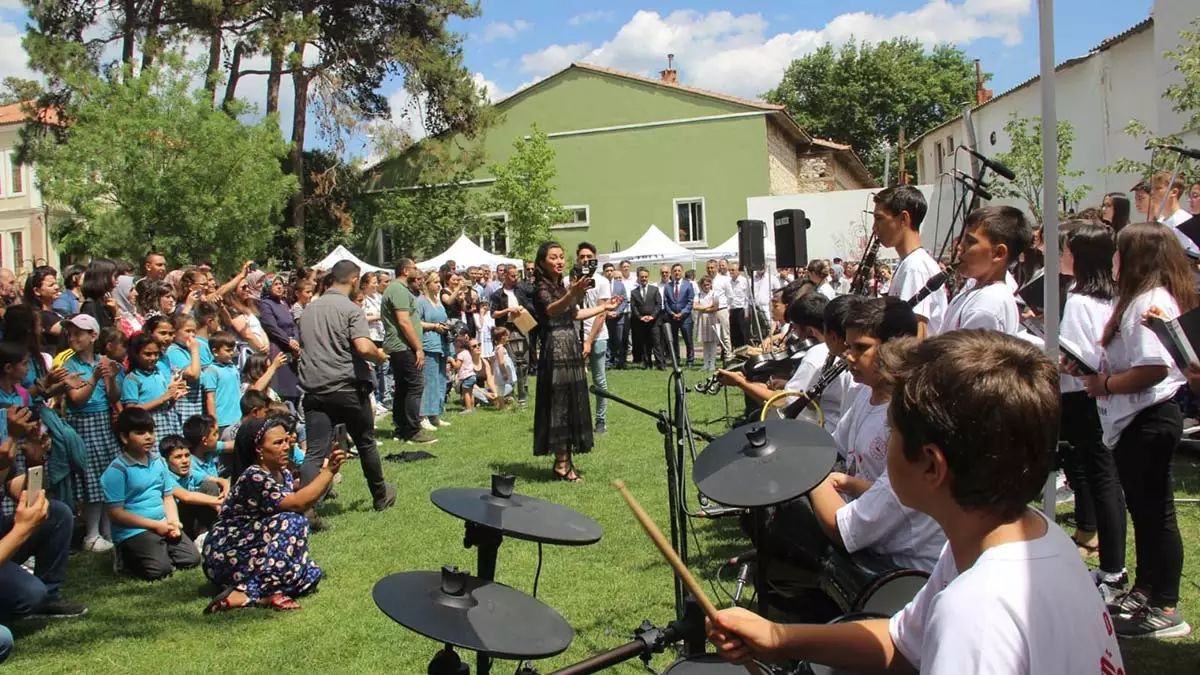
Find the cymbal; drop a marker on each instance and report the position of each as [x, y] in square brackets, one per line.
[455, 608]
[516, 515]
[765, 463]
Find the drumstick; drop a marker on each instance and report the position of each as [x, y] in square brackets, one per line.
[681, 570]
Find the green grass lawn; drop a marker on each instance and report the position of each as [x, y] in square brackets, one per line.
[604, 591]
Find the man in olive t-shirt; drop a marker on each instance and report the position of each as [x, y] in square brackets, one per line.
[402, 342]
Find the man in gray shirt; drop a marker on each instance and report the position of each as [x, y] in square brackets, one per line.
[336, 381]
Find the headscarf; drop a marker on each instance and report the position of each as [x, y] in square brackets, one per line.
[255, 281]
[123, 295]
[173, 278]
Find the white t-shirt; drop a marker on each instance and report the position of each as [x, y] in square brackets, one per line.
[741, 290]
[596, 296]
[1025, 608]
[826, 289]
[991, 307]
[1082, 325]
[911, 275]
[1178, 218]
[764, 286]
[878, 522]
[371, 305]
[1136, 345]
[722, 291]
[862, 436]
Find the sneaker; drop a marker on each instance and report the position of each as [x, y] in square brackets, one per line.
[1152, 622]
[442, 423]
[1110, 593]
[1128, 604]
[57, 608]
[199, 541]
[97, 545]
[388, 499]
[427, 425]
[600, 429]
[420, 439]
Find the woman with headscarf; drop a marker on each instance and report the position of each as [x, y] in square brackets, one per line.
[257, 551]
[284, 336]
[129, 318]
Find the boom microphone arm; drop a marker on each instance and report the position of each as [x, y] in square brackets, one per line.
[996, 167]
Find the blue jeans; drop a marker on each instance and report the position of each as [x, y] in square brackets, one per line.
[598, 362]
[21, 593]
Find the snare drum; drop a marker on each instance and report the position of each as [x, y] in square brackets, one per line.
[865, 582]
[708, 664]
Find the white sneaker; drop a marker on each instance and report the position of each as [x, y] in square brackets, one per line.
[427, 425]
[97, 545]
[199, 541]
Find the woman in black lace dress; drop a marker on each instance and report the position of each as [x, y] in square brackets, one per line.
[562, 419]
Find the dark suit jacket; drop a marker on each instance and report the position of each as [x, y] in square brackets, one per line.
[646, 301]
[682, 304]
[499, 302]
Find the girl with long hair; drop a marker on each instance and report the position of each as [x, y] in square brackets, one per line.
[99, 280]
[1115, 210]
[41, 290]
[562, 420]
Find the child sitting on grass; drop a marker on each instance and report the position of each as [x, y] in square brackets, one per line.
[198, 496]
[200, 433]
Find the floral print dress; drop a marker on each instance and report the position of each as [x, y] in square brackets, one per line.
[257, 548]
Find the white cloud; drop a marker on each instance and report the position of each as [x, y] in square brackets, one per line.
[734, 53]
[490, 90]
[589, 17]
[16, 63]
[504, 31]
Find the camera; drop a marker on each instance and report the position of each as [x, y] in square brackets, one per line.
[587, 269]
[455, 328]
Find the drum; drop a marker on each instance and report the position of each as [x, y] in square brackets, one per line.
[866, 582]
[806, 668]
[708, 664]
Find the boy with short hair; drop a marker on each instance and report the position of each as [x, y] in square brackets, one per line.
[200, 434]
[993, 238]
[253, 404]
[198, 496]
[974, 430]
[899, 212]
[146, 528]
[224, 382]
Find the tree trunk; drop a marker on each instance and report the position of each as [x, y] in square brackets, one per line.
[273, 81]
[150, 47]
[300, 80]
[129, 32]
[213, 71]
[235, 74]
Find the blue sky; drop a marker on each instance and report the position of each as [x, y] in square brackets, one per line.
[738, 48]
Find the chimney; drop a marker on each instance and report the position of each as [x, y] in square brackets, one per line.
[981, 95]
[670, 75]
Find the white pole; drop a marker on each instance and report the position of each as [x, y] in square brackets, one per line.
[887, 163]
[1049, 201]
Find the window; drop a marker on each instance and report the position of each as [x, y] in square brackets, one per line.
[573, 217]
[494, 233]
[18, 249]
[939, 156]
[13, 176]
[950, 147]
[689, 221]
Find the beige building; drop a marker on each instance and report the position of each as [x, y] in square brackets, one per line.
[24, 236]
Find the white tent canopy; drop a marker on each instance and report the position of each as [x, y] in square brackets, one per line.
[729, 249]
[654, 246]
[466, 253]
[342, 253]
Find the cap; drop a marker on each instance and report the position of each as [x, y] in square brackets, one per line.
[85, 322]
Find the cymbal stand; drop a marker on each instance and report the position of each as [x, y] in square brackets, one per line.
[487, 542]
[648, 640]
[447, 662]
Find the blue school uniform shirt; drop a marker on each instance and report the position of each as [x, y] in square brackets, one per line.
[206, 355]
[226, 381]
[206, 466]
[142, 386]
[138, 488]
[191, 482]
[297, 455]
[98, 401]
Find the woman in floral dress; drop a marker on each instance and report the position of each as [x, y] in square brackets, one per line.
[258, 549]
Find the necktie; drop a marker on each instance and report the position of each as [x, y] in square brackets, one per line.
[676, 290]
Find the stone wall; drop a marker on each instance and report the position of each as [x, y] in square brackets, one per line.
[782, 161]
[816, 172]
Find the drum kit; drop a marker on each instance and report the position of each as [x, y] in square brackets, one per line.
[753, 467]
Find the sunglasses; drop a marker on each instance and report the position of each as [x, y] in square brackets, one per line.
[474, 345]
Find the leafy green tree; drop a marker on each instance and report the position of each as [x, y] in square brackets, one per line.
[1025, 160]
[524, 188]
[864, 94]
[146, 162]
[19, 90]
[1185, 100]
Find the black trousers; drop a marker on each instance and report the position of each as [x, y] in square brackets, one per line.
[349, 407]
[647, 346]
[684, 326]
[406, 396]
[197, 518]
[739, 327]
[1143, 455]
[1091, 471]
[151, 556]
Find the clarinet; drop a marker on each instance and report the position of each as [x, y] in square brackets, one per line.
[862, 275]
[835, 366]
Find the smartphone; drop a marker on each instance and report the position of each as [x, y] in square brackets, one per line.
[33, 483]
[341, 438]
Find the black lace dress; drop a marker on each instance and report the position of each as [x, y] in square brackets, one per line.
[562, 418]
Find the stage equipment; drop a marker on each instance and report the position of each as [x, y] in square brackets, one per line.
[791, 238]
[752, 254]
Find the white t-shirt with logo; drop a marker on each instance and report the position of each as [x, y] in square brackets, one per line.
[1136, 345]
[991, 307]
[595, 296]
[1083, 321]
[911, 275]
[1024, 608]
[879, 523]
[862, 436]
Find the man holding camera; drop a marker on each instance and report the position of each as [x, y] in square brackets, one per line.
[595, 332]
[510, 301]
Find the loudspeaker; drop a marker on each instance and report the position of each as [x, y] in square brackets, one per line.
[752, 252]
[791, 238]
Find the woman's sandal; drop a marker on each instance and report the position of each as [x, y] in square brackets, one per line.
[570, 475]
[280, 603]
[221, 603]
[1088, 548]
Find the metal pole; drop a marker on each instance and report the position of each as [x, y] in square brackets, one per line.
[1049, 201]
[887, 163]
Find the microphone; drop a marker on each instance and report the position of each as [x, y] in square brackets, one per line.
[742, 558]
[1186, 152]
[981, 183]
[992, 164]
[983, 194]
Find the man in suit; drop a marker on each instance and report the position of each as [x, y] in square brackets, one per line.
[617, 318]
[646, 302]
[679, 297]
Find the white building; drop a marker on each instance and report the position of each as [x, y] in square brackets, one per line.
[1122, 78]
[24, 237]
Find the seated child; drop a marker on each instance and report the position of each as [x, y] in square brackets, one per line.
[253, 405]
[974, 430]
[198, 496]
[200, 433]
[146, 528]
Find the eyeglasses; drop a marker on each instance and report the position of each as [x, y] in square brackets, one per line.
[474, 345]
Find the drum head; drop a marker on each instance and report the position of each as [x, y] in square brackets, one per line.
[709, 664]
[893, 594]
